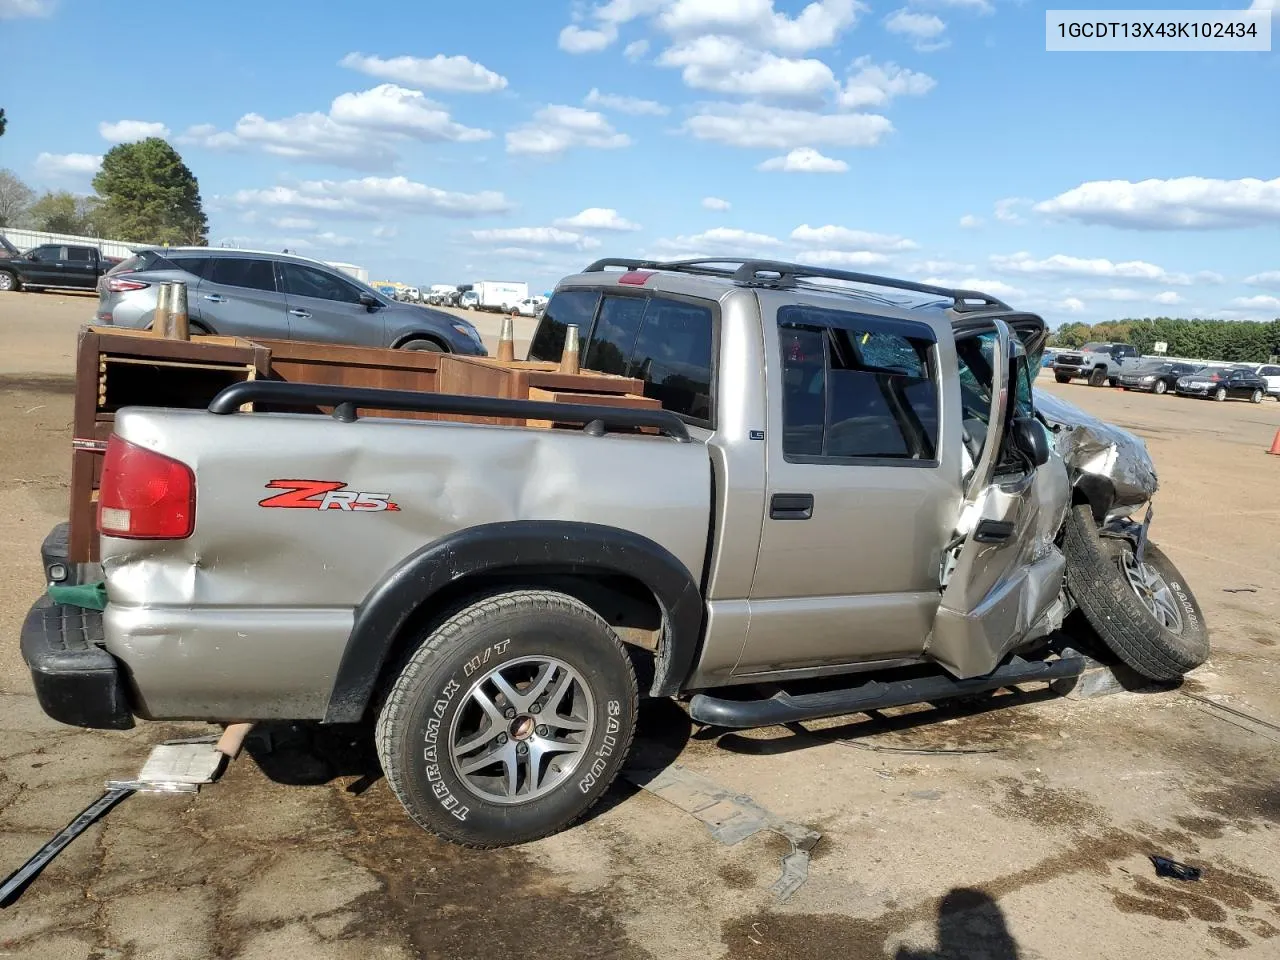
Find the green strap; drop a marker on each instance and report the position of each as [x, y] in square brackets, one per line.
[92, 596]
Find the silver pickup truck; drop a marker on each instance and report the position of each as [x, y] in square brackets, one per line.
[851, 499]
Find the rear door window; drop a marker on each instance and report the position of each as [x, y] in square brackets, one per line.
[856, 387]
[244, 272]
[80, 254]
[576, 307]
[193, 265]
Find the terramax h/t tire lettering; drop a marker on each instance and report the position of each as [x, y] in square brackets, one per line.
[510, 720]
[1161, 645]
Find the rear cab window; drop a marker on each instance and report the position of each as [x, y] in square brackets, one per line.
[857, 388]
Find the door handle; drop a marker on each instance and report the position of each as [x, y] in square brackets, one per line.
[215, 298]
[791, 506]
[299, 313]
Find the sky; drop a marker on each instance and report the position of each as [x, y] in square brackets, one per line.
[521, 139]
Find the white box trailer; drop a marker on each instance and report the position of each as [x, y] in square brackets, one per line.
[500, 295]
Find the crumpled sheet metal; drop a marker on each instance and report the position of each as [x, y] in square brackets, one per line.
[1092, 446]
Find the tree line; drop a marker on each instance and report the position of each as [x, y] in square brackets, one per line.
[143, 193]
[1235, 341]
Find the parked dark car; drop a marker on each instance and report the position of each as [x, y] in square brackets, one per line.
[1239, 383]
[53, 265]
[1159, 376]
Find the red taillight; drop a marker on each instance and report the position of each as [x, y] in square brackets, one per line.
[635, 278]
[145, 495]
[121, 285]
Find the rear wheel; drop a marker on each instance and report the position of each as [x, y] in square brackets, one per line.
[8, 282]
[1098, 377]
[1255, 397]
[510, 720]
[1062, 377]
[1220, 394]
[1160, 387]
[1113, 381]
[429, 346]
[1142, 610]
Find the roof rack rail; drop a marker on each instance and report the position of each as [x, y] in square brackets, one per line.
[781, 275]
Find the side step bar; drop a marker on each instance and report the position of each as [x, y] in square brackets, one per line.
[784, 707]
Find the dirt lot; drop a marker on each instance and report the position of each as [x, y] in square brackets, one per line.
[1035, 848]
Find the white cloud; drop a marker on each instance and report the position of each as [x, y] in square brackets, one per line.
[928, 267]
[1257, 303]
[636, 49]
[996, 288]
[874, 85]
[127, 131]
[723, 241]
[1168, 298]
[727, 65]
[556, 128]
[208, 136]
[68, 164]
[400, 110]
[1129, 295]
[372, 198]
[437, 73]
[970, 222]
[757, 125]
[1188, 203]
[819, 24]
[15, 9]
[979, 6]
[1066, 266]
[833, 237]
[715, 203]
[537, 237]
[1268, 278]
[923, 29]
[597, 218]
[1071, 305]
[575, 39]
[804, 160]
[632, 105]
[1265, 5]
[385, 232]
[844, 258]
[293, 223]
[316, 137]
[1006, 211]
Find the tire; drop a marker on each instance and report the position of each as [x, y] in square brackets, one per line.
[1062, 377]
[9, 282]
[433, 705]
[1220, 394]
[428, 346]
[1160, 387]
[1159, 648]
[1113, 381]
[1255, 397]
[1098, 377]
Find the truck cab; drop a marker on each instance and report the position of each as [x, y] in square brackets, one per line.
[1099, 363]
[60, 265]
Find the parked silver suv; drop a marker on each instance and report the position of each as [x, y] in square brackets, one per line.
[250, 294]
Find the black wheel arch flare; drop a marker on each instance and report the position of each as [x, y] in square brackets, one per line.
[512, 547]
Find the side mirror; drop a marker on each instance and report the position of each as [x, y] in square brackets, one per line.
[370, 302]
[1030, 440]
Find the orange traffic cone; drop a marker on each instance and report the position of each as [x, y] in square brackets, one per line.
[1275, 445]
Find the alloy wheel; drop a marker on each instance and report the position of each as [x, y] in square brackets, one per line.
[1152, 590]
[522, 730]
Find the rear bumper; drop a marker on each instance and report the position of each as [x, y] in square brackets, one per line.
[76, 681]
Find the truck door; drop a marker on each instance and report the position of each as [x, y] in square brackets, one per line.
[1002, 571]
[81, 267]
[861, 491]
[45, 265]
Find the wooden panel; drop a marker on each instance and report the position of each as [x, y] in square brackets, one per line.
[630, 400]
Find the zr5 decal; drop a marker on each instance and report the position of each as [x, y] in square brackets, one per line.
[324, 495]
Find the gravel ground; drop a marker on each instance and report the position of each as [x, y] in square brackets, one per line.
[1036, 849]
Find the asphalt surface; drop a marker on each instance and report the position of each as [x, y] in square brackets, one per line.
[1035, 847]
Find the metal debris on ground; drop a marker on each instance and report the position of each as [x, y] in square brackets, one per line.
[1239, 589]
[1174, 870]
[1239, 718]
[731, 818]
[172, 768]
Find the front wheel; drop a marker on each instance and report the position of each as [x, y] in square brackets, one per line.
[1143, 611]
[1113, 381]
[1160, 387]
[426, 346]
[510, 720]
[1255, 397]
[1062, 377]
